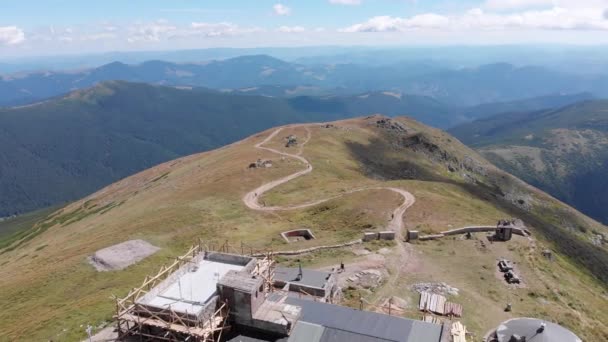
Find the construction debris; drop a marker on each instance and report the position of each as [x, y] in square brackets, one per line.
[261, 163]
[367, 279]
[458, 332]
[438, 288]
[292, 140]
[431, 302]
[432, 319]
[505, 266]
[453, 309]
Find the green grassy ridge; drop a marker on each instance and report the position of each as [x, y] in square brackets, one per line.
[64, 148]
[202, 198]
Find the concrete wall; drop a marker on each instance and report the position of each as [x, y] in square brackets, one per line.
[243, 304]
[370, 236]
[430, 237]
[306, 233]
[386, 235]
[227, 258]
[475, 229]
[315, 291]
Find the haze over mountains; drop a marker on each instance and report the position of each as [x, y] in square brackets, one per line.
[452, 86]
[562, 151]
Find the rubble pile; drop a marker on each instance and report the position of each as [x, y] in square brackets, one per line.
[436, 288]
[367, 279]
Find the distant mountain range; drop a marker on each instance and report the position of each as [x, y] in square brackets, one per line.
[562, 151]
[453, 87]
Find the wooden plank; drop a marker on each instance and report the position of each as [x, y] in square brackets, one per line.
[440, 304]
[458, 332]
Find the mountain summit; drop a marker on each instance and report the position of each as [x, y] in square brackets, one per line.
[338, 179]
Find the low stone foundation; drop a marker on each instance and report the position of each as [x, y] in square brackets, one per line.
[298, 235]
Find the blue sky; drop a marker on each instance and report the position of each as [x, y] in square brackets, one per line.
[41, 27]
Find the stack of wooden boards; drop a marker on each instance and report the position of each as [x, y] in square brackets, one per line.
[458, 332]
[438, 304]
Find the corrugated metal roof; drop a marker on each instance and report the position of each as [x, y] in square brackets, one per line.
[306, 332]
[370, 324]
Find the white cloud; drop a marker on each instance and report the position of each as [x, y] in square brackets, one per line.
[98, 36]
[220, 29]
[291, 29]
[280, 9]
[516, 4]
[556, 18]
[11, 35]
[505, 5]
[345, 2]
[153, 32]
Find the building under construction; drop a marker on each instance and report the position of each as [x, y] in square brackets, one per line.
[217, 296]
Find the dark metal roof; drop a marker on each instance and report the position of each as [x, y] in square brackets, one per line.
[246, 338]
[306, 332]
[310, 278]
[371, 325]
[242, 338]
[336, 335]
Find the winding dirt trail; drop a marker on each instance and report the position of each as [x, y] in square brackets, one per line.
[251, 198]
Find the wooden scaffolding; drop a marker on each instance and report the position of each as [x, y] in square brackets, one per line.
[134, 319]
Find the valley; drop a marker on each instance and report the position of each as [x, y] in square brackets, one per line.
[562, 151]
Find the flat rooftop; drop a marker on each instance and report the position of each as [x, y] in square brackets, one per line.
[310, 278]
[189, 290]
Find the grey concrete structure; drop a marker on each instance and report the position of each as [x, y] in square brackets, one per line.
[208, 292]
[370, 236]
[297, 235]
[386, 235]
[191, 291]
[316, 283]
